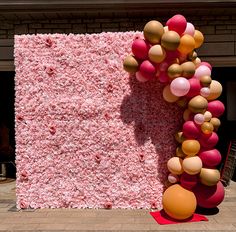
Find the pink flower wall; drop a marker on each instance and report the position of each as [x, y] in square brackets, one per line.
[87, 134]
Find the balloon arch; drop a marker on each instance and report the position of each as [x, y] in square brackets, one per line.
[168, 53]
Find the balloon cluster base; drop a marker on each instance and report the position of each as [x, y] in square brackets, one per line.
[163, 219]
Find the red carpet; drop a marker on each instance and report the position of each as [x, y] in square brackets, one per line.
[163, 219]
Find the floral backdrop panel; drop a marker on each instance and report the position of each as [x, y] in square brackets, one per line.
[88, 135]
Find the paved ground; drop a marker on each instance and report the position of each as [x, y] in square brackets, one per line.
[104, 220]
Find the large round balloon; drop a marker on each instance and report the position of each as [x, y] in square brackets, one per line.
[208, 141]
[180, 86]
[177, 23]
[157, 53]
[199, 38]
[147, 69]
[216, 108]
[187, 44]
[190, 29]
[215, 90]
[174, 70]
[140, 49]
[153, 31]
[209, 176]
[168, 95]
[209, 196]
[130, 64]
[195, 87]
[178, 202]
[174, 165]
[201, 71]
[170, 40]
[210, 158]
[192, 165]
[191, 130]
[188, 69]
[198, 104]
[188, 181]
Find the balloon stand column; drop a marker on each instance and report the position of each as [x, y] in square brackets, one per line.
[168, 54]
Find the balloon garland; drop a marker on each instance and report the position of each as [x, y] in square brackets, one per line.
[168, 53]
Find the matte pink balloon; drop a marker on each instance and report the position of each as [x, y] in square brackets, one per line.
[140, 77]
[205, 91]
[140, 49]
[195, 87]
[206, 64]
[199, 119]
[209, 196]
[210, 158]
[173, 178]
[216, 107]
[147, 69]
[202, 70]
[164, 78]
[208, 141]
[171, 55]
[188, 181]
[191, 130]
[190, 29]
[177, 23]
[180, 86]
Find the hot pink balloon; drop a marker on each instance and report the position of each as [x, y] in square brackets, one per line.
[199, 119]
[210, 158]
[191, 130]
[195, 87]
[208, 141]
[140, 49]
[202, 70]
[164, 78]
[147, 69]
[206, 64]
[188, 181]
[140, 77]
[180, 86]
[177, 23]
[205, 91]
[190, 29]
[216, 107]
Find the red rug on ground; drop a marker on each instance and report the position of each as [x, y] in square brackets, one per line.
[163, 219]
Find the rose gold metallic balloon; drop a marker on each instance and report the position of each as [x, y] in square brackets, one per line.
[205, 80]
[216, 123]
[130, 64]
[207, 128]
[209, 176]
[170, 40]
[174, 70]
[153, 31]
[188, 69]
[198, 104]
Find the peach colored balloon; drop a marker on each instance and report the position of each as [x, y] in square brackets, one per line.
[192, 165]
[215, 90]
[174, 165]
[168, 96]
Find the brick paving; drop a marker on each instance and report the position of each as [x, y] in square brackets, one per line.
[104, 220]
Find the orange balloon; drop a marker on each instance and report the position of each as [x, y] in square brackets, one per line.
[187, 44]
[178, 202]
[199, 38]
[190, 147]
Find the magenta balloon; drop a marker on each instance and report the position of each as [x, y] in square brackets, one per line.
[164, 78]
[209, 196]
[216, 107]
[140, 77]
[147, 69]
[195, 87]
[140, 49]
[206, 64]
[210, 158]
[177, 23]
[190, 29]
[208, 141]
[188, 181]
[180, 86]
[191, 130]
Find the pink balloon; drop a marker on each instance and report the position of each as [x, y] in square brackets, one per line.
[191, 130]
[190, 29]
[140, 49]
[180, 86]
[140, 77]
[206, 64]
[199, 119]
[202, 70]
[209, 196]
[147, 69]
[205, 91]
[208, 141]
[164, 78]
[177, 23]
[171, 55]
[210, 158]
[195, 87]
[188, 181]
[163, 66]
[172, 178]
[216, 107]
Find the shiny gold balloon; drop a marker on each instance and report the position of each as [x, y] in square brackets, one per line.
[170, 40]
[174, 165]
[130, 64]
[179, 152]
[168, 95]
[199, 38]
[174, 70]
[216, 123]
[207, 116]
[205, 80]
[207, 128]
[192, 56]
[182, 102]
[198, 104]
[209, 176]
[215, 90]
[192, 165]
[179, 137]
[188, 69]
[157, 53]
[190, 147]
[153, 31]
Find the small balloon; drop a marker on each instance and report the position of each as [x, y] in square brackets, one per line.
[174, 165]
[195, 87]
[179, 152]
[216, 107]
[130, 64]
[153, 31]
[187, 115]
[140, 77]
[179, 137]
[172, 178]
[188, 69]
[190, 29]
[205, 80]
[215, 90]
[205, 92]
[207, 128]
[190, 147]
[168, 96]
[140, 49]
[199, 119]
[207, 116]
[157, 54]
[163, 78]
[174, 70]
[147, 69]
[199, 38]
[180, 86]
[216, 123]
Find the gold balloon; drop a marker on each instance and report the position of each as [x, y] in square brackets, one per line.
[207, 116]
[174, 70]
[130, 64]
[157, 53]
[197, 62]
[179, 137]
[192, 165]
[153, 31]
[178, 202]
[168, 95]
[199, 38]
[179, 152]
[192, 56]
[198, 104]
[170, 40]
[216, 123]
[209, 176]
[205, 80]
[187, 44]
[186, 114]
[207, 128]
[215, 90]
[174, 165]
[182, 102]
[190, 147]
[188, 69]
